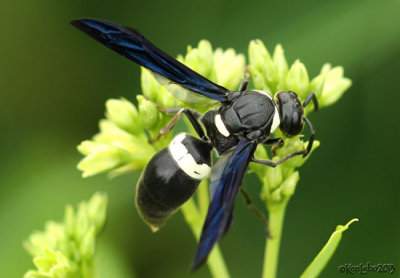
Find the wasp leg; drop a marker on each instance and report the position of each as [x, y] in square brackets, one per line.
[247, 199]
[275, 163]
[312, 137]
[311, 96]
[245, 81]
[274, 141]
[276, 144]
[192, 115]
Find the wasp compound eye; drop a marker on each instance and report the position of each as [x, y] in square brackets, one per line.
[291, 112]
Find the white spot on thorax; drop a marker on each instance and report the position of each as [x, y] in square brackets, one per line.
[185, 160]
[276, 121]
[221, 126]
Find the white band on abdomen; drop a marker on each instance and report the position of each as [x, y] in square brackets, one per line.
[185, 160]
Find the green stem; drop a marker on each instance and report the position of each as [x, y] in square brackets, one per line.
[88, 270]
[216, 264]
[195, 220]
[271, 255]
[202, 198]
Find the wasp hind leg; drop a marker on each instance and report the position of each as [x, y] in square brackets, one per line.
[247, 199]
[192, 115]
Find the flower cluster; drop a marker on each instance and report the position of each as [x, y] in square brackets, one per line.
[67, 249]
[122, 145]
[272, 74]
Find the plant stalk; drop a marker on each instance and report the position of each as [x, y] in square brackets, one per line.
[194, 219]
[271, 255]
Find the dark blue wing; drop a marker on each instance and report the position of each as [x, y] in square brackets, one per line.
[226, 184]
[132, 45]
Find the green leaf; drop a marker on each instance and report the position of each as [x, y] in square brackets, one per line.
[323, 257]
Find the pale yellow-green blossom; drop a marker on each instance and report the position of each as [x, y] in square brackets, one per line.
[66, 249]
[122, 145]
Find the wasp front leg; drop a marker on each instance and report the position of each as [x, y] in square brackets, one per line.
[276, 163]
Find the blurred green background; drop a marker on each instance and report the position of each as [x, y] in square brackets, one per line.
[54, 81]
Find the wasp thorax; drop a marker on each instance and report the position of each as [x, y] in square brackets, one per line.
[291, 112]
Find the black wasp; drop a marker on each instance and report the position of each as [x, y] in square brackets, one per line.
[243, 120]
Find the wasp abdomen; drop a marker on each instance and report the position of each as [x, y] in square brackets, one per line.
[171, 178]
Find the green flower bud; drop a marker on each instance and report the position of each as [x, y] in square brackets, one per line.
[150, 86]
[206, 50]
[261, 64]
[35, 274]
[229, 68]
[167, 99]
[259, 81]
[97, 210]
[281, 66]
[275, 198]
[317, 83]
[34, 245]
[297, 79]
[200, 59]
[106, 157]
[82, 221]
[69, 220]
[149, 115]
[55, 233]
[124, 114]
[113, 135]
[87, 247]
[334, 86]
[61, 271]
[52, 264]
[274, 177]
[134, 165]
[116, 150]
[66, 250]
[47, 261]
[289, 184]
